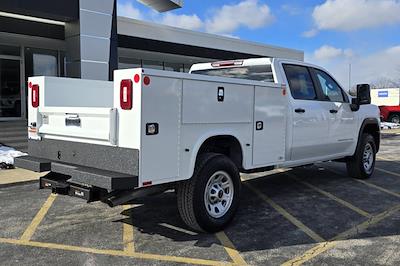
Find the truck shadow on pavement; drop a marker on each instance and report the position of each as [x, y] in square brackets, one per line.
[298, 207]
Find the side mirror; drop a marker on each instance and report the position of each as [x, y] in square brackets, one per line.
[363, 97]
[363, 94]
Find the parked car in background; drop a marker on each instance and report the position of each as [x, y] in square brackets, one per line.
[388, 101]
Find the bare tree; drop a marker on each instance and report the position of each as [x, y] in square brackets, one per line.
[385, 82]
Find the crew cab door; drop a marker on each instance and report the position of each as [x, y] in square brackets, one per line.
[310, 126]
[336, 105]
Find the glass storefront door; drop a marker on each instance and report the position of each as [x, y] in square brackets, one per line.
[10, 88]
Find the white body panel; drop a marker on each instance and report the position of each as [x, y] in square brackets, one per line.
[188, 111]
[270, 109]
[87, 100]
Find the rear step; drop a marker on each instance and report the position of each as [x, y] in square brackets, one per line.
[77, 174]
[59, 185]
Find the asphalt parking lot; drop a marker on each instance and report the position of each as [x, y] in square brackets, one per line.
[314, 215]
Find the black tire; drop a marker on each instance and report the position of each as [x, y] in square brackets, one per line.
[191, 199]
[394, 118]
[355, 164]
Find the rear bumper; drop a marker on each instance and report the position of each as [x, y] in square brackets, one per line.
[78, 175]
[109, 158]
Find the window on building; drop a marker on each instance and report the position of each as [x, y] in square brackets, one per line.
[41, 62]
[125, 63]
[10, 50]
[10, 88]
[153, 64]
[44, 65]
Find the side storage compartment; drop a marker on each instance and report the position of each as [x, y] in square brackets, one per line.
[160, 130]
[270, 111]
[207, 102]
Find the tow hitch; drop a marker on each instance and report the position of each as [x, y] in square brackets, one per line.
[59, 185]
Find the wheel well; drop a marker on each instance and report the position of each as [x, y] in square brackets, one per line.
[373, 129]
[393, 113]
[225, 144]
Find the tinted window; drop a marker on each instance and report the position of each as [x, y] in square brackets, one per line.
[330, 89]
[10, 50]
[259, 73]
[300, 82]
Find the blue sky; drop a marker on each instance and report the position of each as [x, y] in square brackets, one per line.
[332, 33]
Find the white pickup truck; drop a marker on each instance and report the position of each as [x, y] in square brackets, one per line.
[151, 130]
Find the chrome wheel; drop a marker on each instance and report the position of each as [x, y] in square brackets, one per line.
[368, 158]
[218, 194]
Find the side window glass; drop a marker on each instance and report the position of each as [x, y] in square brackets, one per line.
[300, 82]
[330, 89]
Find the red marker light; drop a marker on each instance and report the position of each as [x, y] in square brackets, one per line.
[35, 96]
[146, 80]
[136, 78]
[30, 85]
[125, 94]
[147, 183]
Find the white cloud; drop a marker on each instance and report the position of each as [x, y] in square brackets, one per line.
[310, 33]
[327, 52]
[190, 22]
[365, 69]
[223, 21]
[248, 13]
[292, 9]
[349, 15]
[129, 11]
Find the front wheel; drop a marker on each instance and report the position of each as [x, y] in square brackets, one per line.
[209, 200]
[362, 164]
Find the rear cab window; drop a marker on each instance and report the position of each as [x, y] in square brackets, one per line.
[300, 82]
[261, 73]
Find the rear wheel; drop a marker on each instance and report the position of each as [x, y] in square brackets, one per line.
[208, 201]
[362, 164]
[394, 118]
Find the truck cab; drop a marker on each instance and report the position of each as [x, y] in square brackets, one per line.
[321, 122]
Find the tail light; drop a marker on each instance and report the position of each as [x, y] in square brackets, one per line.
[35, 96]
[126, 94]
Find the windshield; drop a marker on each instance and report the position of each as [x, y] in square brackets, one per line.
[259, 73]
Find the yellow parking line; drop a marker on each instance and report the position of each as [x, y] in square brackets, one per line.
[363, 226]
[38, 218]
[322, 247]
[387, 172]
[114, 252]
[379, 188]
[311, 253]
[230, 248]
[331, 196]
[367, 183]
[128, 238]
[287, 215]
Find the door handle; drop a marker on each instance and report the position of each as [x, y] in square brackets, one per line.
[333, 111]
[299, 110]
